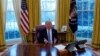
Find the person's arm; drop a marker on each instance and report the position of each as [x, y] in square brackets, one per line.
[56, 39]
[41, 37]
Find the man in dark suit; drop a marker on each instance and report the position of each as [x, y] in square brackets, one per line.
[48, 34]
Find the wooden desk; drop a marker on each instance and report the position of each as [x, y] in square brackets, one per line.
[32, 50]
[42, 50]
[62, 37]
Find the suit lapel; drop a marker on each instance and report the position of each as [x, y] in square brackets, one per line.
[46, 34]
[52, 35]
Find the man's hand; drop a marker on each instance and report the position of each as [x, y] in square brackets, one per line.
[45, 41]
[55, 41]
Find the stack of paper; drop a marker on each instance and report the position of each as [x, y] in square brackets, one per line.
[60, 47]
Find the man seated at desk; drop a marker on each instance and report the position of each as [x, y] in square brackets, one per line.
[48, 34]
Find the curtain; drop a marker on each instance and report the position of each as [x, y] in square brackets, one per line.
[17, 9]
[63, 18]
[2, 38]
[62, 13]
[96, 31]
[34, 15]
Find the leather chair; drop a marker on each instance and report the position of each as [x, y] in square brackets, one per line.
[38, 29]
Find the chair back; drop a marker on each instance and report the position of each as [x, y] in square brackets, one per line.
[38, 29]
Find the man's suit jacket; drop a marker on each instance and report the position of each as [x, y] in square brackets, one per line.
[43, 35]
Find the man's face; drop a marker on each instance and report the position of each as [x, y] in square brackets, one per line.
[48, 25]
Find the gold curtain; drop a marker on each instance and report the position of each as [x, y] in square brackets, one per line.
[2, 40]
[62, 13]
[96, 31]
[63, 18]
[34, 16]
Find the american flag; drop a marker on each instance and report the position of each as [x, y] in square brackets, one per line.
[24, 20]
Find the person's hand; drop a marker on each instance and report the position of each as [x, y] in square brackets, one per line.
[45, 41]
[55, 40]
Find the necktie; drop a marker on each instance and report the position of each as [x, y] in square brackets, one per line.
[49, 38]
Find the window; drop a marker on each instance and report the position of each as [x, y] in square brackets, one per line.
[48, 11]
[85, 18]
[11, 31]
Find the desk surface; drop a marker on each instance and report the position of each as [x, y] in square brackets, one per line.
[40, 50]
